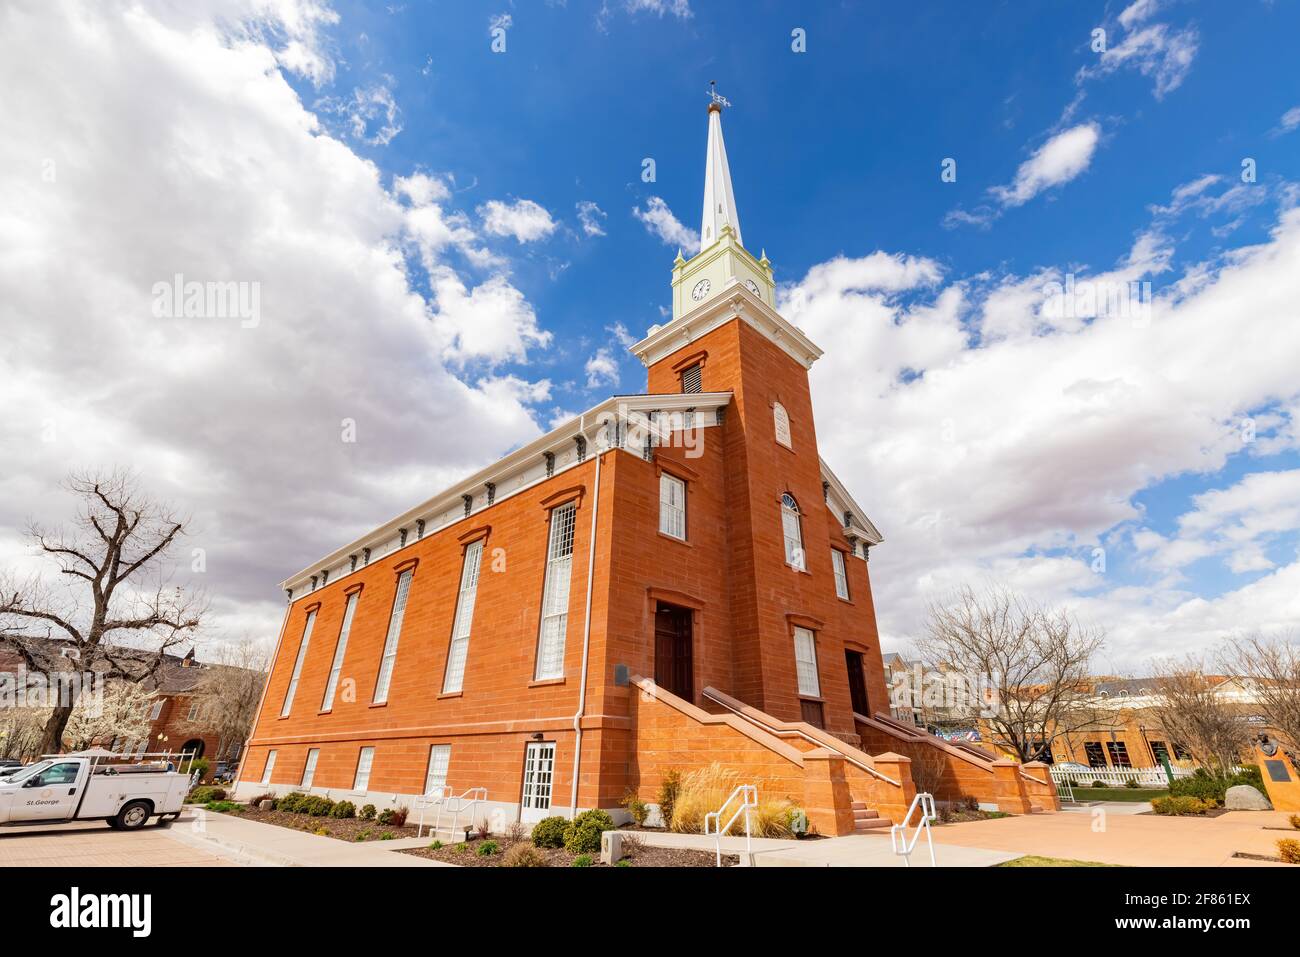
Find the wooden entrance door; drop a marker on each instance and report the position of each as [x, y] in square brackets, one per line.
[857, 682]
[673, 661]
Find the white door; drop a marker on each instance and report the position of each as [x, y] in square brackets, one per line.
[539, 771]
[50, 795]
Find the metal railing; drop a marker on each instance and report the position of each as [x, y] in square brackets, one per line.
[903, 845]
[748, 795]
[454, 803]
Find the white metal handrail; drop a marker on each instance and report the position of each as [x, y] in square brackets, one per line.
[924, 801]
[748, 795]
[445, 800]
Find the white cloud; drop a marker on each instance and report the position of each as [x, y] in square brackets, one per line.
[1136, 12]
[591, 217]
[523, 219]
[660, 221]
[371, 114]
[1158, 51]
[204, 149]
[1290, 120]
[977, 456]
[677, 8]
[1059, 160]
[601, 369]
[421, 189]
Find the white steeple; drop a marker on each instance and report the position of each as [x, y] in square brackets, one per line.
[719, 201]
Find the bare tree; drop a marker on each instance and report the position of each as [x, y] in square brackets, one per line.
[1272, 665]
[111, 611]
[1193, 713]
[1027, 668]
[228, 693]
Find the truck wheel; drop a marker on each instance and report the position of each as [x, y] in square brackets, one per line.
[133, 815]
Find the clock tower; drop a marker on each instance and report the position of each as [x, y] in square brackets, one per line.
[723, 263]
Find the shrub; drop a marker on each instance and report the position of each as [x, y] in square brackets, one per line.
[363, 835]
[549, 832]
[266, 796]
[701, 791]
[482, 830]
[292, 802]
[623, 863]
[322, 832]
[1099, 783]
[487, 848]
[1132, 783]
[387, 836]
[515, 831]
[1179, 805]
[1212, 787]
[1289, 850]
[200, 765]
[367, 812]
[205, 793]
[344, 809]
[524, 855]
[582, 836]
[637, 808]
[1295, 821]
[436, 846]
[462, 848]
[582, 860]
[632, 846]
[771, 818]
[395, 816]
[318, 806]
[669, 788]
[229, 807]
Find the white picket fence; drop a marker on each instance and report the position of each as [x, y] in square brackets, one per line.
[1117, 777]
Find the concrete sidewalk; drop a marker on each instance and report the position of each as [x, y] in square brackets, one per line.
[857, 850]
[267, 845]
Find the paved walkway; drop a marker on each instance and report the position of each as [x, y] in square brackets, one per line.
[1115, 835]
[255, 843]
[95, 844]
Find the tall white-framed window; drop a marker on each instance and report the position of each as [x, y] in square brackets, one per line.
[336, 666]
[792, 532]
[390, 641]
[555, 592]
[439, 760]
[841, 574]
[269, 766]
[805, 663]
[193, 713]
[781, 422]
[156, 710]
[454, 678]
[364, 760]
[309, 769]
[297, 664]
[672, 506]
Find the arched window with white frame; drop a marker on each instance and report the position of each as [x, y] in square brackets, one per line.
[792, 532]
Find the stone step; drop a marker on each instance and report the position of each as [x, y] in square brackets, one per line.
[863, 813]
[871, 823]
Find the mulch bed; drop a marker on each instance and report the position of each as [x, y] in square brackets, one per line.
[348, 829]
[644, 856]
[965, 814]
[1217, 812]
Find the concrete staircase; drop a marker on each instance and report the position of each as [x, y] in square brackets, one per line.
[867, 818]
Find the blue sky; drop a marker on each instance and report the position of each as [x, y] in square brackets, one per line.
[455, 246]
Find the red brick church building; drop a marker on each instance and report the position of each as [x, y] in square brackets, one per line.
[669, 579]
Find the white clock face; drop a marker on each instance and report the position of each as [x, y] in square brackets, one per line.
[701, 289]
[752, 287]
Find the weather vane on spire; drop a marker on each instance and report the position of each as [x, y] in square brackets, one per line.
[717, 97]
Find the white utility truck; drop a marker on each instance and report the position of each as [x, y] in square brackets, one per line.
[124, 791]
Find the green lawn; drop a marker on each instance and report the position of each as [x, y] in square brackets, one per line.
[1033, 860]
[1119, 794]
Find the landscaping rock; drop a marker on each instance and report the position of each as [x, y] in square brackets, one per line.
[1244, 797]
[611, 847]
[267, 805]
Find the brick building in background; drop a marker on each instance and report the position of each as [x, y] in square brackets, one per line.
[670, 579]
